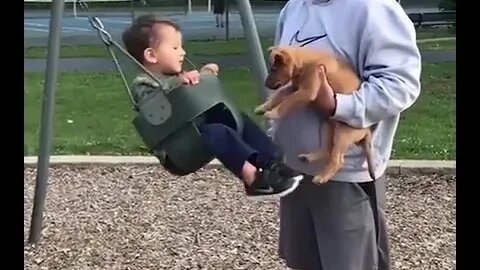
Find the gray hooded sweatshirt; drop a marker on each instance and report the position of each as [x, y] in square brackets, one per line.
[379, 40]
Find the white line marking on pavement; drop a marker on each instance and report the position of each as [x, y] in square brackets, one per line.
[35, 29]
[77, 29]
[125, 21]
[116, 21]
[36, 24]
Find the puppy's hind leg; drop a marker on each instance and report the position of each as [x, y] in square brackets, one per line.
[314, 156]
[327, 135]
[341, 142]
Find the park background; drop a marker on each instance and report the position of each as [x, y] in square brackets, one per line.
[115, 217]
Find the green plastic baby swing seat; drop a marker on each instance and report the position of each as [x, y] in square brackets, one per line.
[167, 123]
[167, 120]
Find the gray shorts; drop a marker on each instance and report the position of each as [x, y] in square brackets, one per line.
[331, 227]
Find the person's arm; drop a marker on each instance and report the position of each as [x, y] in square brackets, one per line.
[143, 86]
[391, 68]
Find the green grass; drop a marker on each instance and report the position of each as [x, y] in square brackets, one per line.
[428, 129]
[439, 45]
[435, 32]
[92, 113]
[199, 48]
[210, 48]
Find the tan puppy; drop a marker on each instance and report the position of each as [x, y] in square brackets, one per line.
[299, 66]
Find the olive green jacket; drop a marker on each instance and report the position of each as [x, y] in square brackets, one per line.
[143, 85]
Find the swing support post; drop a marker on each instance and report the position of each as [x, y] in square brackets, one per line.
[51, 73]
[132, 11]
[46, 128]
[257, 60]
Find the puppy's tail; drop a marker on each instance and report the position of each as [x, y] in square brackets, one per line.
[367, 148]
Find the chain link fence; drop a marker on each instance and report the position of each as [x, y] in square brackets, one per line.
[194, 16]
[183, 5]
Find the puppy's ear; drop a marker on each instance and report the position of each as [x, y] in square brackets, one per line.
[271, 53]
[280, 57]
[270, 49]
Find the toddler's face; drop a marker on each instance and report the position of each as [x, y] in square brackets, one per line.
[167, 56]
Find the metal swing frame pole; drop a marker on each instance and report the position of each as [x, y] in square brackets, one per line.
[227, 19]
[258, 67]
[257, 60]
[132, 12]
[46, 128]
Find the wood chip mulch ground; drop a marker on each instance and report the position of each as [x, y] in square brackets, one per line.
[140, 217]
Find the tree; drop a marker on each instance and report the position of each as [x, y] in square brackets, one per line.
[448, 5]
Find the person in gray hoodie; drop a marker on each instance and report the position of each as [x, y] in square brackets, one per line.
[341, 225]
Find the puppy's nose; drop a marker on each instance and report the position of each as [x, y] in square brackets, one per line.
[270, 83]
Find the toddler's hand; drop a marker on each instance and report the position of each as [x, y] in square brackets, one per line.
[210, 68]
[190, 77]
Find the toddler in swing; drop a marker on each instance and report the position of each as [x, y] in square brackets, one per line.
[250, 156]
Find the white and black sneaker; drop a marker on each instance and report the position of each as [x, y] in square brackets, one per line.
[274, 181]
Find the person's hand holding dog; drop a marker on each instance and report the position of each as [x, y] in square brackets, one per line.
[326, 100]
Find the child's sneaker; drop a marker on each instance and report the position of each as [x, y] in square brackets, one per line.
[283, 169]
[273, 182]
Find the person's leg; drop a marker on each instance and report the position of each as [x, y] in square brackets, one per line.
[269, 155]
[376, 193]
[297, 244]
[345, 227]
[383, 239]
[341, 225]
[227, 146]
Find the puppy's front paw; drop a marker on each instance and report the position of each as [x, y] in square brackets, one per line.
[320, 179]
[260, 110]
[311, 157]
[210, 68]
[305, 158]
[273, 114]
[308, 158]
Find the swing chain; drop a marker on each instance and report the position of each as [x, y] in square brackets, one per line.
[83, 5]
[98, 25]
[105, 36]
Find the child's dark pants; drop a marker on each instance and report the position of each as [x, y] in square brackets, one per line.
[234, 149]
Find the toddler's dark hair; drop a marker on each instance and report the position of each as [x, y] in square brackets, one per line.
[140, 35]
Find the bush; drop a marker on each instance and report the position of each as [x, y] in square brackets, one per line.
[448, 5]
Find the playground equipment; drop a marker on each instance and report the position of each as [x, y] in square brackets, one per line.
[166, 120]
[148, 119]
[46, 128]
